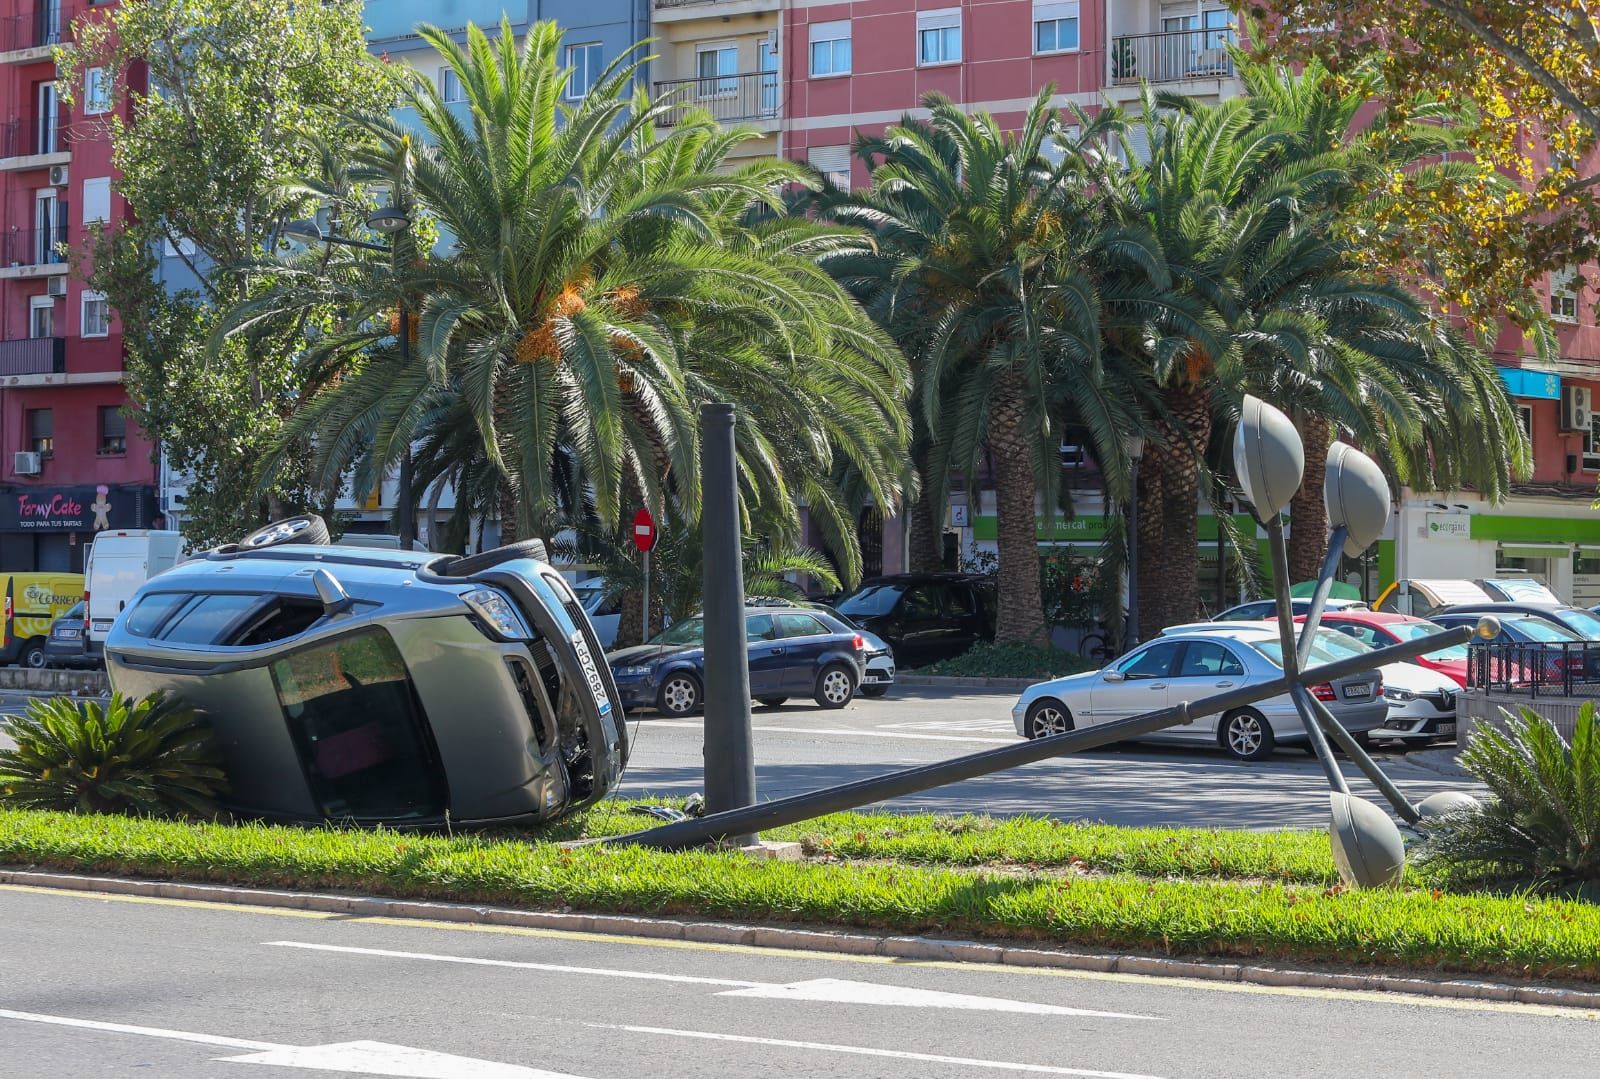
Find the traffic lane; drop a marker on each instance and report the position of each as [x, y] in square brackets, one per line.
[798, 749]
[597, 1006]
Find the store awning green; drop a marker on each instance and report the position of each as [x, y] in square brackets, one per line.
[1340, 590]
[1524, 550]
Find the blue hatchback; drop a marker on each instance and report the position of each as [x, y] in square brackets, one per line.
[792, 653]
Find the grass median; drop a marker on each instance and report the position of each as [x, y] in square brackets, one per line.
[1146, 895]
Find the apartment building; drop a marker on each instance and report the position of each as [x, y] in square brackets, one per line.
[70, 462]
[721, 56]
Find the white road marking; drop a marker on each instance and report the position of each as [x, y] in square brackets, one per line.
[763, 728]
[360, 1058]
[861, 1050]
[828, 990]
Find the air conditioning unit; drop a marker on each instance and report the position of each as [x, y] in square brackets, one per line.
[1577, 408]
[25, 463]
[58, 176]
[55, 286]
[772, 42]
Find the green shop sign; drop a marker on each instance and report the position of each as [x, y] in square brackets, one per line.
[1091, 528]
[1508, 529]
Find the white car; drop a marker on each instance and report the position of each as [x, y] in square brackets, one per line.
[1422, 702]
[1187, 665]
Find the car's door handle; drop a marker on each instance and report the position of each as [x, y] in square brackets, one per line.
[776, 652]
[1158, 685]
[1224, 685]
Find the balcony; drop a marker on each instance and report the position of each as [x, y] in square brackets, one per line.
[735, 6]
[36, 247]
[33, 356]
[34, 143]
[728, 98]
[1172, 57]
[47, 25]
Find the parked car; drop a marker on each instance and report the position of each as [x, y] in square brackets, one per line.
[878, 677]
[33, 603]
[1422, 702]
[393, 687]
[1187, 665]
[1518, 590]
[1379, 629]
[791, 653]
[603, 608]
[121, 560]
[1423, 598]
[1530, 646]
[1260, 609]
[925, 617]
[1579, 620]
[66, 646]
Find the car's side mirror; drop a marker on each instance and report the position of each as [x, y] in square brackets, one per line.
[1113, 676]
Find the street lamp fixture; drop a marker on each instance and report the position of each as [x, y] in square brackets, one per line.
[1268, 457]
[304, 229]
[389, 220]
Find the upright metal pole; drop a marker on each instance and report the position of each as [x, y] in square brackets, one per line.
[646, 622]
[1319, 598]
[730, 757]
[1130, 628]
[1291, 664]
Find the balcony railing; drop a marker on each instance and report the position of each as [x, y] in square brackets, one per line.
[47, 24]
[730, 98]
[33, 356]
[23, 138]
[37, 247]
[1172, 57]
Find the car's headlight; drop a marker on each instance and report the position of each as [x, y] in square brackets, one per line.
[1392, 694]
[499, 612]
[631, 672]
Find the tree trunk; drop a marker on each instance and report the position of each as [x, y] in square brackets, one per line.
[1021, 614]
[1308, 516]
[1152, 531]
[927, 537]
[508, 512]
[1169, 580]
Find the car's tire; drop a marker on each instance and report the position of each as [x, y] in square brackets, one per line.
[1047, 716]
[1362, 738]
[772, 702]
[875, 690]
[32, 654]
[1246, 734]
[467, 565]
[306, 528]
[836, 686]
[680, 694]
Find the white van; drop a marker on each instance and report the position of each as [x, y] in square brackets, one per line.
[118, 562]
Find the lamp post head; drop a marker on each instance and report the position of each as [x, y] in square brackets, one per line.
[304, 229]
[1133, 446]
[389, 220]
[1356, 495]
[1268, 457]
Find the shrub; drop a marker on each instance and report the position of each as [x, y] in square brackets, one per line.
[988, 660]
[1543, 823]
[156, 757]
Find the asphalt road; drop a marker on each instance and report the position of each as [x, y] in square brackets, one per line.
[109, 986]
[799, 747]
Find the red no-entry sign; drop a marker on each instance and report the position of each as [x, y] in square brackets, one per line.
[644, 531]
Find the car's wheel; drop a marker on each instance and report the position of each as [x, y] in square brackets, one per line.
[835, 686]
[772, 702]
[33, 655]
[1246, 734]
[679, 694]
[1047, 716]
[306, 528]
[876, 690]
[467, 565]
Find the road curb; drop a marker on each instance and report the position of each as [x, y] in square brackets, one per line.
[814, 940]
[951, 682]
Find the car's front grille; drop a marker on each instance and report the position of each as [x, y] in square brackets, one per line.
[1444, 701]
[538, 712]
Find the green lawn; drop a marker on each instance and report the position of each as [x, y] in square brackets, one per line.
[1179, 892]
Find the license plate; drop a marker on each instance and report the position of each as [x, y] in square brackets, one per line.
[65, 634]
[590, 672]
[1447, 730]
[1359, 689]
[876, 679]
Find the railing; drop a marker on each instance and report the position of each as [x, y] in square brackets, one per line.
[729, 98]
[22, 138]
[1172, 57]
[47, 24]
[33, 356]
[1554, 669]
[36, 247]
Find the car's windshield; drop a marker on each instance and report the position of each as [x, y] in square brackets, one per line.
[1335, 641]
[1410, 631]
[874, 599]
[689, 631]
[1582, 623]
[1320, 652]
[1537, 629]
[75, 611]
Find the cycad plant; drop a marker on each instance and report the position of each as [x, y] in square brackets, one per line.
[1543, 824]
[153, 757]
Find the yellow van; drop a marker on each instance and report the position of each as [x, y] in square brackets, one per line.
[33, 601]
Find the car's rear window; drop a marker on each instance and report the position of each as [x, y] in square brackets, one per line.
[152, 611]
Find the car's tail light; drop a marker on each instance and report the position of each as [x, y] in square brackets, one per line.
[859, 643]
[1324, 692]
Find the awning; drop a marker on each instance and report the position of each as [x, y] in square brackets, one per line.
[1536, 550]
[1340, 590]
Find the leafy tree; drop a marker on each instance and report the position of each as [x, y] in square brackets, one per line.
[218, 104]
[1530, 76]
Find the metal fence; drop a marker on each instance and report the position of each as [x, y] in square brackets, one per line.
[1173, 56]
[1553, 669]
[33, 356]
[48, 23]
[36, 247]
[20, 138]
[729, 98]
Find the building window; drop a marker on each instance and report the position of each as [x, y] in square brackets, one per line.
[42, 431]
[97, 200]
[48, 121]
[1591, 444]
[1525, 421]
[830, 48]
[450, 86]
[41, 317]
[713, 61]
[834, 164]
[96, 315]
[1564, 286]
[1055, 27]
[113, 431]
[96, 92]
[939, 36]
[585, 65]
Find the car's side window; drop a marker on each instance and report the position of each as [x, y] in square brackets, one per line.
[798, 625]
[920, 602]
[958, 602]
[1154, 662]
[1368, 635]
[207, 619]
[758, 627]
[154, 609]
[1204, 659]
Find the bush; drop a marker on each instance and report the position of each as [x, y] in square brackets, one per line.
[988, 660]
[156, 757]
[1543, 824]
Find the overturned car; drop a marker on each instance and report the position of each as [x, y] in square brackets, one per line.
[372, 686]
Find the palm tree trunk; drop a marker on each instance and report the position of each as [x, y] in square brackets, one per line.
[1150, 538]
[1308, 516]
[927, 538]
[1021, 615]
[1172, 573]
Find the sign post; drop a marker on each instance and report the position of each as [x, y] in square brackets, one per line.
[644, 538]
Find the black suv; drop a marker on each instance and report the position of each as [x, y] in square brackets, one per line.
[925, 616]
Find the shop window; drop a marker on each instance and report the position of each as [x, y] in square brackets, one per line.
[113, 431]
[42, 431]
[1525, 421]
[1591, 444]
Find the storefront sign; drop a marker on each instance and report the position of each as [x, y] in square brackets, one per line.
[1527, 382]
[75, 509]
[1449, 525]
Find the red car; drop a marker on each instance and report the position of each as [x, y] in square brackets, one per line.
[1381, 629]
